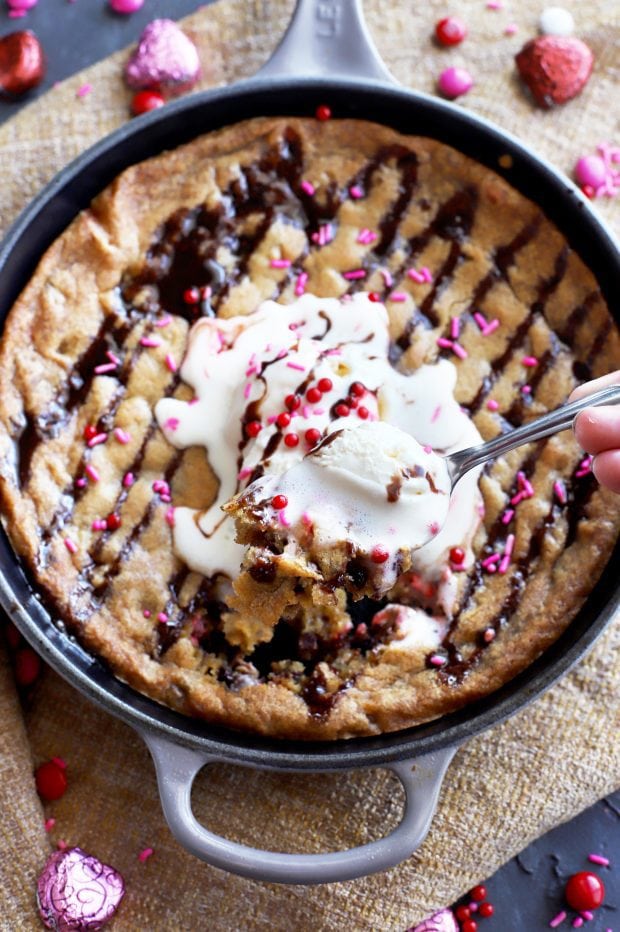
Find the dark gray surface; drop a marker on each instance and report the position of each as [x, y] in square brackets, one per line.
[527, 892]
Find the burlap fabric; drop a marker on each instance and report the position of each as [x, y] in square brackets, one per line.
[503, 788]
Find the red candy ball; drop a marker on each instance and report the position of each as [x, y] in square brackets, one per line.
[144, 101]
[450, 31]
[90, 431]
[325, 385]
[279, 502]
[291, 440]
[374, 296]
[342, 410]
[457, 555]
[292, 402]
[253, 428]
[113, 522]
[469, 926]
[357, 389]
[27, 666]
[51, 781]
[313, 395]
[584, 890]
[485, 910]
[312, 436]
[284, 419]
[379, 554]
[462, 913]
[191, 295]
[363, 412]
[478, 893]
[323, 112]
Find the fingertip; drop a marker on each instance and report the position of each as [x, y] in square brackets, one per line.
[582, 428]
[606, 468]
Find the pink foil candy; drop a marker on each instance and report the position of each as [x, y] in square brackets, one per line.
[165, 58]
[443, 921]
[77, 893]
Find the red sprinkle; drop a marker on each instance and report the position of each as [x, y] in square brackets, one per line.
[191, 295]
[342, 410]
[292, 402]
[283, 419]
[27, 666]
[312, 436]
[145, 854]
[457, 555]
[450, 31]
[379, 554]
[314, 395]
[479, 893]
[253, 428]
[485, 910]
[323, 113]
[113, 522]
[279, 502]
[584, 891]
[51, 781]
[325, 385]
[144, 101]
[291, 440]
[374, 296]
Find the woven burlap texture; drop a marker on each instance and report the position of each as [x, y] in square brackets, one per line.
[503, 788]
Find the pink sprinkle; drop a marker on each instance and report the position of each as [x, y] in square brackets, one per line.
[490, 561]
[366, 236]
[459, 351]
[494, 5]
[280, 263]
[150, 342]
[99, 524]
[247, 390]
[145, 854]
[97, 439]
[427, 448]
[80, 483]
[49, 824]
[284, 521]
[84, 90]
[577, 922]
[121, 435]
[557, 920]
[586, 914]
[170, 517]
[300, 286]
[490, 327]
[193, 401]
[426, 273]
[128, 480]
[356, 192]
[528, 488]
[436, 660]
[529, 361]
[318, 411]
[472, 907]
[172, 366]
[354, 274]
[70, 545]
[244, 473]
[398, 296]
[333, 352]
[445, 344]
[508, 516]
[455, 327]
[282, 353]
[162, 617]
[61, 844]
[171, 423]
[598, 859]
[113, 357]
[435, 414]
[560, 493]
[492, 405]
[165, 497]
[105, 367]
[307, 187]
[164, 321]
[517, 498]
[480, 320]
[296, 365]
[526, 389]
[387, 277]
[92, 473]
[509, 545]
[416, 276]
[146, 613]
[510, 29]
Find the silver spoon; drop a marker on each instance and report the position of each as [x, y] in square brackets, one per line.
[463, 460]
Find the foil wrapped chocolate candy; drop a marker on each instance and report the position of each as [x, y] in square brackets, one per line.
[164, 59]
[77, 893]
[443, 921]
[22, 63]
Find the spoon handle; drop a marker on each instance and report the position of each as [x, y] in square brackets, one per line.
[461, 462]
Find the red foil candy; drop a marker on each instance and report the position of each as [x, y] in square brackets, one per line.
[164, 59]
[77, 893]
[554, 68]
[22, 63]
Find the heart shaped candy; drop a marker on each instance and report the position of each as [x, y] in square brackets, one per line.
[443, 921]
[555, 68]
[22, 63]
[165, 58]
[78, 892]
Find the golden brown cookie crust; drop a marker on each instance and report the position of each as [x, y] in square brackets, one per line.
[490, 250]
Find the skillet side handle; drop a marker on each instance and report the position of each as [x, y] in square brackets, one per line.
[328, 39]
[177, 768]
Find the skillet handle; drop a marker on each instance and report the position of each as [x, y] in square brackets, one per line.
[178, 766]
[328, 39]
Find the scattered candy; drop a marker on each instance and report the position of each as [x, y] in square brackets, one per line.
[554, 68]
[126, 6]
[599, 175]
[22, 63]
[450, 31]
[454, 82]
[145, 854]
[590, 170]
[20, 7]
[51, 780]
[164, 58]
[557, 920]
[144, 101]
[323, 113]
[598, 859]
[584, 891]
[443, 921]
[556, 21]
[76, 891]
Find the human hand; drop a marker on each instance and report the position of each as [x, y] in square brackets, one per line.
[598, 431]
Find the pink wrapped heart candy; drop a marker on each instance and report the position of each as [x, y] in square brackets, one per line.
[164, 59]
[443, 921]
[77, 893]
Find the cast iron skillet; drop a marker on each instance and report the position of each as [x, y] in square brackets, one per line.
[326, 37]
